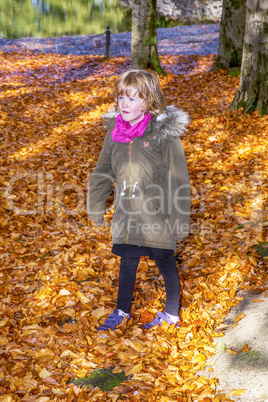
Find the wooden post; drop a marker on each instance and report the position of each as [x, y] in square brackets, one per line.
[108, 42]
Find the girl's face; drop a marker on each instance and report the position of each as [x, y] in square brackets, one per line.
[130, 106]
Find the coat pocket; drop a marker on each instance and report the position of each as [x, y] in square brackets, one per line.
[154, 201]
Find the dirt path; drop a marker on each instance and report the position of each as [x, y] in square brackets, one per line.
[247, 370]
[181, 40]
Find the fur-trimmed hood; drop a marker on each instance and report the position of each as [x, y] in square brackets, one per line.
[172, 122]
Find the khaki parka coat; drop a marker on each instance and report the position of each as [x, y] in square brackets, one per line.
[152, 189]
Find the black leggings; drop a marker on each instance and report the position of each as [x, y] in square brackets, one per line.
[127, 277]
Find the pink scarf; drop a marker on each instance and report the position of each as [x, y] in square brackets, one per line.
[125, 132]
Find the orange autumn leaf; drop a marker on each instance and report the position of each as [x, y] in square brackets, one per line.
[7, 398]
[83, 299]
[239, 317]
[244, 348]
[50, 380]
[44, 353]
[44, 373]
[231, 351]
[135, 369]
[146, 317]
[236, 392]
[102, 349]
[99, 312]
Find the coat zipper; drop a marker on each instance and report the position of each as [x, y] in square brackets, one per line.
[130, 180]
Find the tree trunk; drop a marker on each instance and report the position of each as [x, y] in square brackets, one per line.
[252, 93]
[143, 36]
[231, 35]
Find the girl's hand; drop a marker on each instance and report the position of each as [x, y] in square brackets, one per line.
[96, 224]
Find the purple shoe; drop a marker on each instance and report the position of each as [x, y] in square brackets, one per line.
[113, 321]
[160, 317]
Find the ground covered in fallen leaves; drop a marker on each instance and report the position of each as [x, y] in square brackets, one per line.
[58, 277]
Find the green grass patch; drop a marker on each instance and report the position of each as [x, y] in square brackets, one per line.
[262, 249]
[105, 379]
[235, 72]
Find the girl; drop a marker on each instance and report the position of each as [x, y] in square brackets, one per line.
[143, 152]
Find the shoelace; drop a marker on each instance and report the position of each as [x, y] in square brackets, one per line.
[114, 319]
[158, 321]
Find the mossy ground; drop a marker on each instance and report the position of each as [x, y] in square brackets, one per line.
[235, 72]
[262, 249]
[105, 379]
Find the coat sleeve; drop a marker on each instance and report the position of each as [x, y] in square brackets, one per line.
[100, 184]
[179, 197]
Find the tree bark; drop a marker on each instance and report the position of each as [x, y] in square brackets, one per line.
[252, 93]
[143, 36]
[232, 29]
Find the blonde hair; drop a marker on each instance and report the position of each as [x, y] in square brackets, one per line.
[148, 88]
